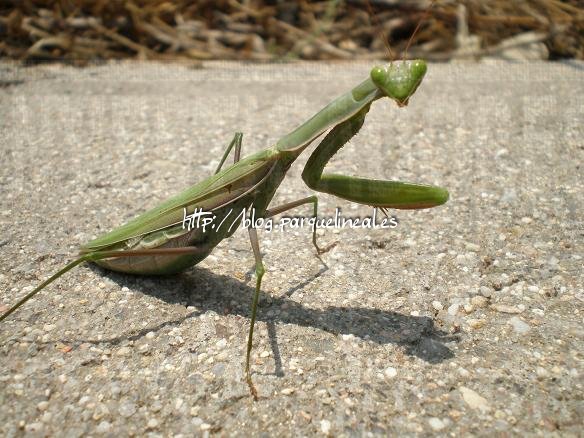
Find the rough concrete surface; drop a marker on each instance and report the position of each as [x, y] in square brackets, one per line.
[463, 320]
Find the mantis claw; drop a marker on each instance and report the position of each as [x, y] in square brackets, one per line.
[327, 248]
[252, 388]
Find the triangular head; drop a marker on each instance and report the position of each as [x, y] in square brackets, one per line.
[399, 79]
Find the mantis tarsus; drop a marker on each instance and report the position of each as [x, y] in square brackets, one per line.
[156, 242]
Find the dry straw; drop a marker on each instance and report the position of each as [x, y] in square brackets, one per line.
[81, 31]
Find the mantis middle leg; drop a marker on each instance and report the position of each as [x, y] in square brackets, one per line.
[236, 142]
[290, 205]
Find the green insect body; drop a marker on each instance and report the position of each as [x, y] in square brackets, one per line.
[223, 194]
[157, 242]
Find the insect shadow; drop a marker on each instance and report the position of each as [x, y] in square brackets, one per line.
[224, 295]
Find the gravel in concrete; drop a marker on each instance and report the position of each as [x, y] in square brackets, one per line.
[464, 319]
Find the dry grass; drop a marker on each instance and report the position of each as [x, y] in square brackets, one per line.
[88, 30]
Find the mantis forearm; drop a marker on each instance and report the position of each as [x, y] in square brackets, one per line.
[339, 110]
[377, 193]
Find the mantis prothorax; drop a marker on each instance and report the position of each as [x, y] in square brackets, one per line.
[157, 243]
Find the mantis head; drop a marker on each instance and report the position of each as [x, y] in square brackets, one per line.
[399, 79]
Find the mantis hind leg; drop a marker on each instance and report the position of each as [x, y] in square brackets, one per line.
[259, 269]
[236, 142]
[290, 205]
[99, 255]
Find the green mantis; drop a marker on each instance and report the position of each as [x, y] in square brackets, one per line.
[158, 242]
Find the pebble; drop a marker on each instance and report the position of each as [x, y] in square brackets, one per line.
[42, 406]
[127, 409]
[473, 399]
[486, 291]
[453, 309]
[100, 411]
[156, 406]
[408, 243]
[103, 427]
[152, 423]
[287, 391]
[437, 305]
[553, 261]
[504, 308]
[115, 389]
[472, 246]
[508, 197]
[390, 372]
[479, 301]
[219, 369]
[519, 326]
[475, 323]
[221, 343]
[124, 351]
[463, 372]
[325, 426]
[505, 280]
[436, 423]
[468, 260]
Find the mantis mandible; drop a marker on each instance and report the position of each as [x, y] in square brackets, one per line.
[157, 242]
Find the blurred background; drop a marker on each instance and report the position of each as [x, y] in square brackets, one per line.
[85, 31]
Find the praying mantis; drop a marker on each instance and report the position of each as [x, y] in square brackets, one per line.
[158, 243]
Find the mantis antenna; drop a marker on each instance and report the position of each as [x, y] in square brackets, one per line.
[418, 28]
[380, 27]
